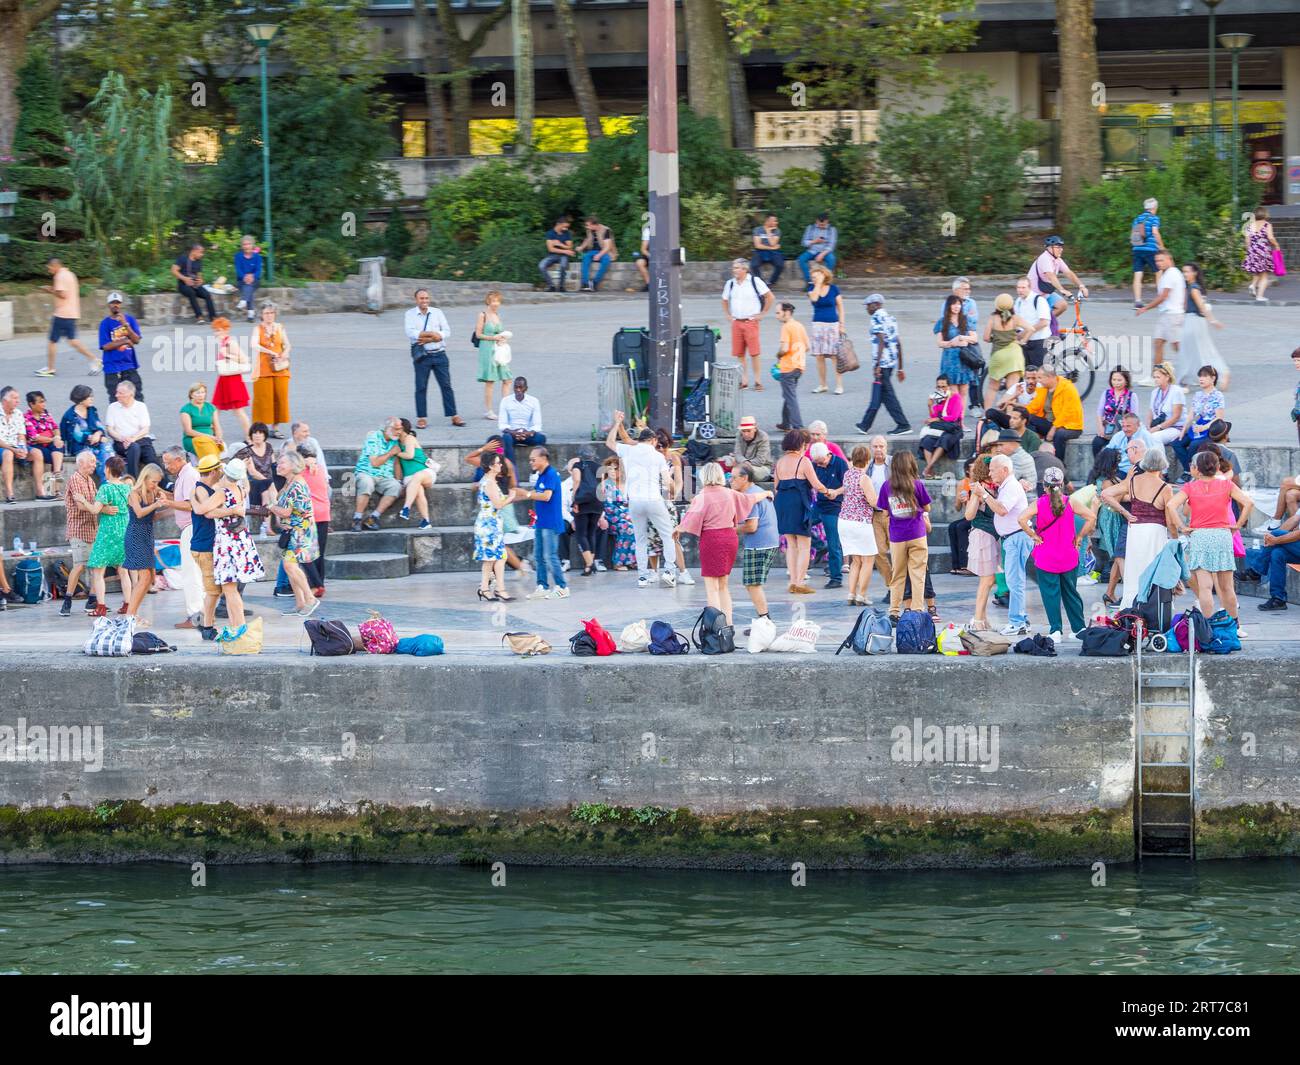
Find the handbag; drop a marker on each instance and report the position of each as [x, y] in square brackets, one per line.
[112, 637]
[248, 642]
[1279, 263]
[846, 358]
[526, 644]
[377, 635]
[971, 358]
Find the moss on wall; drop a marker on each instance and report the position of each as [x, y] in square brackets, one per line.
[1248, 831]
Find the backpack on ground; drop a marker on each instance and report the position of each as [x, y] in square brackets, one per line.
[665, 640]
[984, 643]
[1037, 645]
[872, 634]
[915, 633]
[111, 637]
[329, 638]
[248, 642]
[711, 634]
[421, 646]
[582, 644]
[1223, 634]
[1186, 626]
[377, 635]
[762, 634]
[634, 638]
[149, 643]
[604, 642]
[29, 581]
[1105, 641]
[800, 637]
[526, 644]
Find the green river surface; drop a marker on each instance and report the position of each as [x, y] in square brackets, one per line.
[1216, 917]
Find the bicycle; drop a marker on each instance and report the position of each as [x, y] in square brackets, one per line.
[1076, 353]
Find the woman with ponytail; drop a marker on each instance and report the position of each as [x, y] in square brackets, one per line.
[1057, 538]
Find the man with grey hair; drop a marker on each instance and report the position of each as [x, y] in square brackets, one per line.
[127, 422]
[1007, 506]
[1145, 240]
[82, 523]
[374, 473]
[184, 477]
[745, 299]
[300, 435]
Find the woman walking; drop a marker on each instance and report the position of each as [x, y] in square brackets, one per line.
[1208, 501]
[794, 474]
[200, 424]
[857, 533]
[231, 393]
[109, 548]
[144, 500]
[1198, 347]
[494, 494]
[943, 432]
[713, 516]
[1147, 493]
[235, 560]
[618, 522]
[415, 475]
[1057, 538]
[908, 503]
[270, 349]
[490, 333]
[984, 551]
[827, 325]
[1118, 400]
[955, 336]
[1003, 331]
[1260, 245]
[298, 541]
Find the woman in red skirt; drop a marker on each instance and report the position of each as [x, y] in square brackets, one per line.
[713, 516]
[231, 393]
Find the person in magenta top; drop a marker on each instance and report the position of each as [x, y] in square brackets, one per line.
[942, 434]
[1057, 535]
[817, 433]
[1209, 555]
[713, 516]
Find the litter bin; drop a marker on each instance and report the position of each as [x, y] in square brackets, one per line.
[724, 395]
[612, 393]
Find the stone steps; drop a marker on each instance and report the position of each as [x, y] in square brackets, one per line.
[367, 566]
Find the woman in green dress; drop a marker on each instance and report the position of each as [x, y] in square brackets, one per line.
[489, 330]
[109, 548]
[1004, 331]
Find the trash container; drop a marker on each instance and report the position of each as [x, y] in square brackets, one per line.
[612, 393]
[724, 395]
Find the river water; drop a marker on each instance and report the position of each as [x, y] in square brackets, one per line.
[1216, 917]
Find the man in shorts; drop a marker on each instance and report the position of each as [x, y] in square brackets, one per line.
[81, 526]
[66, 290]
[759, 538]
[374, 473]
[745, 299]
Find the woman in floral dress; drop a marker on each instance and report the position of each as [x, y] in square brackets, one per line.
[494, 494]
[235, 560]
[618, 521]
[298, 524]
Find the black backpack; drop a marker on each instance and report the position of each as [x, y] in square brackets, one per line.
[711, 634]
[1037, 645]
[329, 638]
[1157, 610]
[582, 645]
[149, 643]
[1105, 641]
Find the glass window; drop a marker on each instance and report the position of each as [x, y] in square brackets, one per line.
[414, 138]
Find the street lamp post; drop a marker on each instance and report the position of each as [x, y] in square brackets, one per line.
[1235, 43]
[1212, 4]
[261, 33]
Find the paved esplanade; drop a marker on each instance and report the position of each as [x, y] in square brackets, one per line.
[350, 370]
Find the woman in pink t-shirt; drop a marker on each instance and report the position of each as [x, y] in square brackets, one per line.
[713, 516]
[1057, 537]
[1209, 554]
[942, 434]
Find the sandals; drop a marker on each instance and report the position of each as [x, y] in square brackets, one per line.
[501, 597]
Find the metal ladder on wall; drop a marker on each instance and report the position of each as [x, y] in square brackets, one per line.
[1165, 811]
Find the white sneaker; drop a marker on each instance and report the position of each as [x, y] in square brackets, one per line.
[645, 581]
[1056, 637]
[1088, 578]
[600, 566]
[839, 391]
[668, 580]
[538, 593]
[241, 305]
[525, 565]
[559, 593]
[819, 388]
[1241, 633]
[1014, 630]
[684, 577]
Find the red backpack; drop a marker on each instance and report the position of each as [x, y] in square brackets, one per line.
[605, 644]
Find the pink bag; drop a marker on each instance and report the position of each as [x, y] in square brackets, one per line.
[1279, 264]
[378, 635]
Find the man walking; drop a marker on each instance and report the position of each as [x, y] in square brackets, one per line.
[887, 358]
[547, 493]
[647, 475]
[119, 333]
[428, 332]
[792, 355]
[1145, 240]
[82, 523]
[188, 271]
[759, 538]
[767, 249]
[520, 420]
[1171, 300]
[745, 299]
[559, 249]
[830, 471]
[818, 242]
[66, 290]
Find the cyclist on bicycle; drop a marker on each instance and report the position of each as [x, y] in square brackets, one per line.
[1045, 277]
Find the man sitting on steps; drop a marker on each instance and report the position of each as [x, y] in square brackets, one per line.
[374, 472]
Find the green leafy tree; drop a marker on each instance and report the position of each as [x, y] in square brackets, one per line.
[18, 20]
[397, 236]
[45, 222]
[839, 48]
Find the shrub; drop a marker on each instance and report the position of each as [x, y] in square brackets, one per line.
[397, 236]
[802, 196]
[713, 227]
[322, 260]
[461, 208]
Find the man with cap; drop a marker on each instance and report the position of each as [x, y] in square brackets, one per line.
[753, 447]
[119, 333]
[204, 497]
[184, 477]
[745, 299]
[887, 357]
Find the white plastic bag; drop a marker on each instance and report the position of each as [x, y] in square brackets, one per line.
[800, 637]
[762, 631]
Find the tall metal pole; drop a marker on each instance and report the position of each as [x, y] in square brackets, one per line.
[1235, 149]
[1214, 137]
[269, 240]
[665, 217]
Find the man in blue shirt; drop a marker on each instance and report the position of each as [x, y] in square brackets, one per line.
[1145, 243]
[119, 333]
[248, 273]
[559, 249]
[830, 471]
[1130, 429]
[547, 494]
[819, 245]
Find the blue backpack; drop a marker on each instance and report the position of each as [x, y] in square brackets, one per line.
[665, 640]
[872, 634]
[29, 581]
[1223, 634]
[915, 633]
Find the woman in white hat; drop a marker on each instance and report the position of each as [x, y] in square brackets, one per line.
[235, 560]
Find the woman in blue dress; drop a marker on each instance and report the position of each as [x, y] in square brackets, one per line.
[955, 333]
[144, 501]
[494, 494]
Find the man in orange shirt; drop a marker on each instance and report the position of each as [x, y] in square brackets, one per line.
[791, 357]
[66, 290]
[1056, 412]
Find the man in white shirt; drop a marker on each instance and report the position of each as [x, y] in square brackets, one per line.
[1007, 506]
[127, 422]
[647, 474]
[1171, 299]
[1032, 307]
[520, 420]
[184, 478]
[428, 332]
[745, 299]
